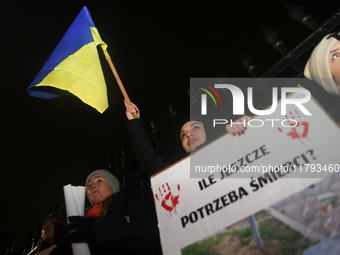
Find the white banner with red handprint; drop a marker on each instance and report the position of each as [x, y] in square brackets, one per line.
[242, 175]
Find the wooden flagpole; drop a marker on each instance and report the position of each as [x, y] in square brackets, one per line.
[120, 84]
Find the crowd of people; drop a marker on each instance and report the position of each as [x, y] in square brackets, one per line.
[116, 224]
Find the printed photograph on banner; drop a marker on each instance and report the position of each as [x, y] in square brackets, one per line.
[305, 218]
[305, 209]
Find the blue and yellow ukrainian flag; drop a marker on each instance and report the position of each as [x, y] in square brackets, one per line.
[74, 65]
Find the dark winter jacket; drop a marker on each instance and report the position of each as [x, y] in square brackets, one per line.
[150, 160]
[129, 227]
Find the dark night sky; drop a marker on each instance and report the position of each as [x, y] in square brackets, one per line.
[156, 47]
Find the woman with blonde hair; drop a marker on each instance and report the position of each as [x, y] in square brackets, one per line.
[323, 65]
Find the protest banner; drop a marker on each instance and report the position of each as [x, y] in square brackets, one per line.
[234, 177]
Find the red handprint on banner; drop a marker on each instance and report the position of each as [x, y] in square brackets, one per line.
[299, 128]
[169, 201]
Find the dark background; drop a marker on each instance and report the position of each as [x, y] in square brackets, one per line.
[156, 47]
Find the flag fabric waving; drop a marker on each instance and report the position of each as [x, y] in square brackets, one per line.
[74, 65]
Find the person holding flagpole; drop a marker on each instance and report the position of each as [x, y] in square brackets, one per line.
[194, 134]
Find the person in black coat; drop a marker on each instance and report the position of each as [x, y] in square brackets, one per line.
[114, 223]
[194, 134]
[49, 239]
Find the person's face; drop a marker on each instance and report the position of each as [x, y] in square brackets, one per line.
[98, 189]
[192, 135]
[48, 230]
[334, 62]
